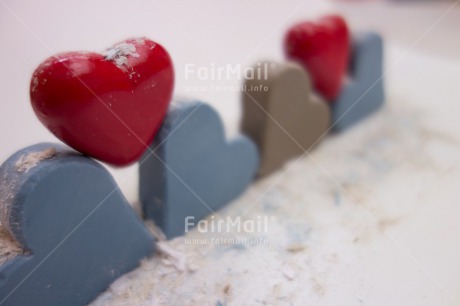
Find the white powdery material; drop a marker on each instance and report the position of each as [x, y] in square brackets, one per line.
[140, 41]
[27, 162]
[119, 54]
[9, 247]
[34, 83]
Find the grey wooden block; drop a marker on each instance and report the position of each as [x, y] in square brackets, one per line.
[194, 171]
[77, 230]
[282, 115]
[364, 92]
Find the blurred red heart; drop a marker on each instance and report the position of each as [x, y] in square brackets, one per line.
[108, 106]
[323, 49]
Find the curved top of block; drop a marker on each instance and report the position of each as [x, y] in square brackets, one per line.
[271, 72]
[23, 171]
[185, 115]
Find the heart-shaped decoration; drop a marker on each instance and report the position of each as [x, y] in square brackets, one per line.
[363, 94]
[282, 115]
[323, 49]
[108, 106]
[194, 171]
[76, 231]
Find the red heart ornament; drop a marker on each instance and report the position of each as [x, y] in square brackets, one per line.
[323, 49]
[108, 106]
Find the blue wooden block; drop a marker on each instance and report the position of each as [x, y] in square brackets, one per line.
[77, 230]
[194, 171]
[364, 93]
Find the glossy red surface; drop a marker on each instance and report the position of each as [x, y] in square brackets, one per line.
[106, 106]
[323, 49]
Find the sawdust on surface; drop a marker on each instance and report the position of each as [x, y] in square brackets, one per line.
[34, 83]
[28, 161]
[295, 247]
[323, 231]
[9, 247]
[119, 54]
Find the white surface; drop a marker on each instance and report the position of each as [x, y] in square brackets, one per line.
[378, 224]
